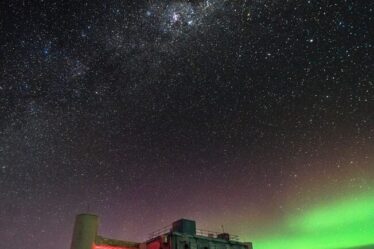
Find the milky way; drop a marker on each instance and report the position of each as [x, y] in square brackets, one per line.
[252, 114]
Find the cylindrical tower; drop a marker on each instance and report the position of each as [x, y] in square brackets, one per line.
[85, 231]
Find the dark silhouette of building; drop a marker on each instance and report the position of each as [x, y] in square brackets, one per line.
[182, 234]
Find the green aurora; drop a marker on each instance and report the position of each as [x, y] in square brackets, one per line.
[347, 223]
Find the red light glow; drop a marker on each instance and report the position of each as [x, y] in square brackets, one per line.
[154, 245]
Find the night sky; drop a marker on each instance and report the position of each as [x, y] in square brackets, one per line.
[257, 115]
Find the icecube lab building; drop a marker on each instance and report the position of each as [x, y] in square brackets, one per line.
[182, 234]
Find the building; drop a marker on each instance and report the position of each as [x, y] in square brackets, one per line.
[182, 234]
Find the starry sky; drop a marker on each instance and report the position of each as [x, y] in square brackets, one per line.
[257, 115]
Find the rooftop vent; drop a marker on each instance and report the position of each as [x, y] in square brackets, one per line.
[224, 236]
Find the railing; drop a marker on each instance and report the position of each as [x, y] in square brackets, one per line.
[199, 232]
[213, 234]
[160, 231]
[207, 233]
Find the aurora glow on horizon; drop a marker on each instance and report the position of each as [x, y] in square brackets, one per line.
[347, 223]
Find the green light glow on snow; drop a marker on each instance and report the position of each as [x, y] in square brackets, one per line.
[343, 224]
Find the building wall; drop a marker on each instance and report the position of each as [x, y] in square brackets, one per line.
[184, 241]
[199, 242]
